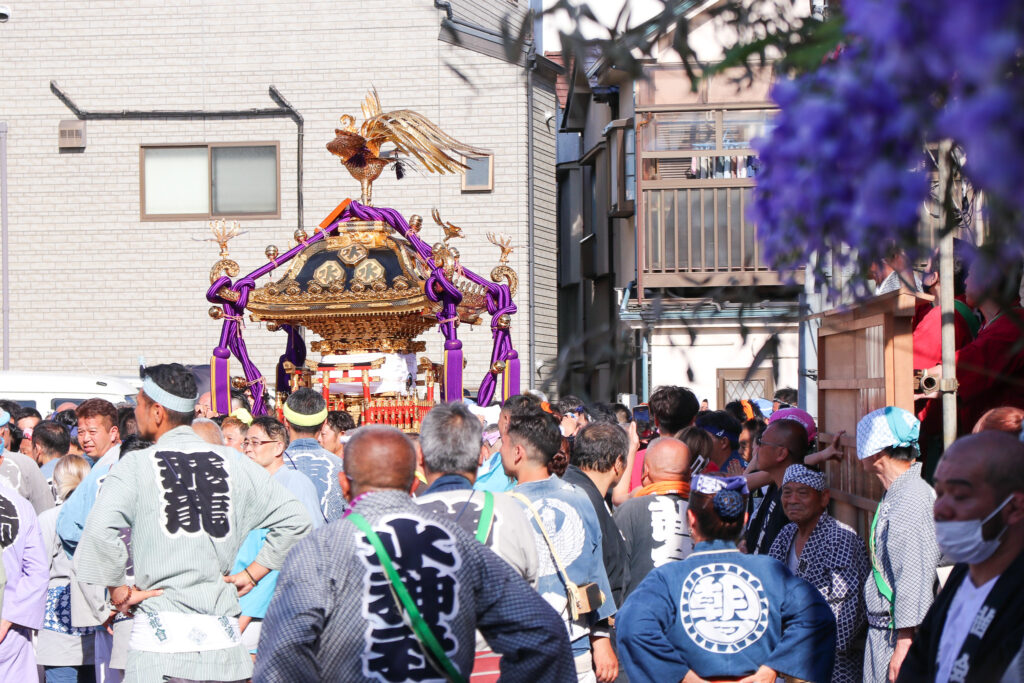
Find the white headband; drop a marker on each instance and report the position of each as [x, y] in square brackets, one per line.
[168, 400]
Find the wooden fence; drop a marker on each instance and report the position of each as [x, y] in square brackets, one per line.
[865, 362]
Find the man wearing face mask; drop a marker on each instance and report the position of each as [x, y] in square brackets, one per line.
[973, 631]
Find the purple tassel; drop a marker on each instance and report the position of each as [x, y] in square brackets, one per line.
[453, 370]
[511, 383]
[220, 377]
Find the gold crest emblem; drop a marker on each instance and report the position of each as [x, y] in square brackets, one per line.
[352, 254]
[369, 271]
[329, 273]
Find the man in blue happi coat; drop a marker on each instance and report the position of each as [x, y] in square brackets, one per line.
[722, 614]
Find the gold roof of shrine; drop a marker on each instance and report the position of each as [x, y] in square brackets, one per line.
[361, 289]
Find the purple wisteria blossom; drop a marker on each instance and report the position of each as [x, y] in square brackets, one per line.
[844, 172]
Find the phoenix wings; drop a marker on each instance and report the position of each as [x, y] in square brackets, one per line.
[411, 133]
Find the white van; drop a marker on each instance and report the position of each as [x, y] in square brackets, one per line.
[44, 391]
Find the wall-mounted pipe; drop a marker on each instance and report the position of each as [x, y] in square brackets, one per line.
[283, 110]
[531, 64]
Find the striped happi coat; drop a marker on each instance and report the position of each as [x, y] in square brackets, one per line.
[189, 505]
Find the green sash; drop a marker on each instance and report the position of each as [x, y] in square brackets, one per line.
[883, 586]
[419, 627]
[973, 324]
[483, 527]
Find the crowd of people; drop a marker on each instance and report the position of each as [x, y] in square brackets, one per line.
[535, 541]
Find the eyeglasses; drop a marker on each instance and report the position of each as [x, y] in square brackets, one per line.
[246, 443]
[761, 442]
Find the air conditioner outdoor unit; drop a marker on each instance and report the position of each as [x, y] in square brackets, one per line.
[72, 134]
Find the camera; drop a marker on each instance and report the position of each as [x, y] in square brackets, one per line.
[583, 599]
[5, 14]
[925, 384]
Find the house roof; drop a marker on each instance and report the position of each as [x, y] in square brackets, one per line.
[562, 82]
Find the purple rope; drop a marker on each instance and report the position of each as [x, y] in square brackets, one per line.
[294, 353]
[438, 288]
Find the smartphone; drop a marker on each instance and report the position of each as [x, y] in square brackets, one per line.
[641, 414]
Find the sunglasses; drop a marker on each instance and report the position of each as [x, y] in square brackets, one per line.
[762, 442]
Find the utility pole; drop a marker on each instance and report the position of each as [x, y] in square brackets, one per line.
[948, 383]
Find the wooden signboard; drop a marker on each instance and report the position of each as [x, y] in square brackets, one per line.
[865, 362]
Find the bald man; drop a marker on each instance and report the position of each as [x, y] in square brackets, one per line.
[783, 443]
[669, 462]
[973, 631]
[335, 615]
[208, 430]
[653, 523]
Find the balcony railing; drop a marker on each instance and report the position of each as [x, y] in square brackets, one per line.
[697, 173]
[701, 232]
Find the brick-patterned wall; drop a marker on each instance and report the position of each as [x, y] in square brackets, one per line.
[93, 287]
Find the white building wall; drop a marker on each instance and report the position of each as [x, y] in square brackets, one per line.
[716, 348]
[94, 287]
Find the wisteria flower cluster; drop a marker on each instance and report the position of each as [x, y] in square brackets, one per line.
[844, 171]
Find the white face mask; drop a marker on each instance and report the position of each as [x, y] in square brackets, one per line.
[962, 541]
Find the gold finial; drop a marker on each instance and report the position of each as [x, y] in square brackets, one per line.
[224, 233]
[271, 252]
[216, 312]
[300, 236]
[415, 223]
[450, 229]
[503, 242]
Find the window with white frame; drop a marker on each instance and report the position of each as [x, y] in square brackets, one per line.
[214, 180]
[479, 174]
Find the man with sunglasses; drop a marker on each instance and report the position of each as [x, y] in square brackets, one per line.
[19, 471]
[784, 398]
[785, 442]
